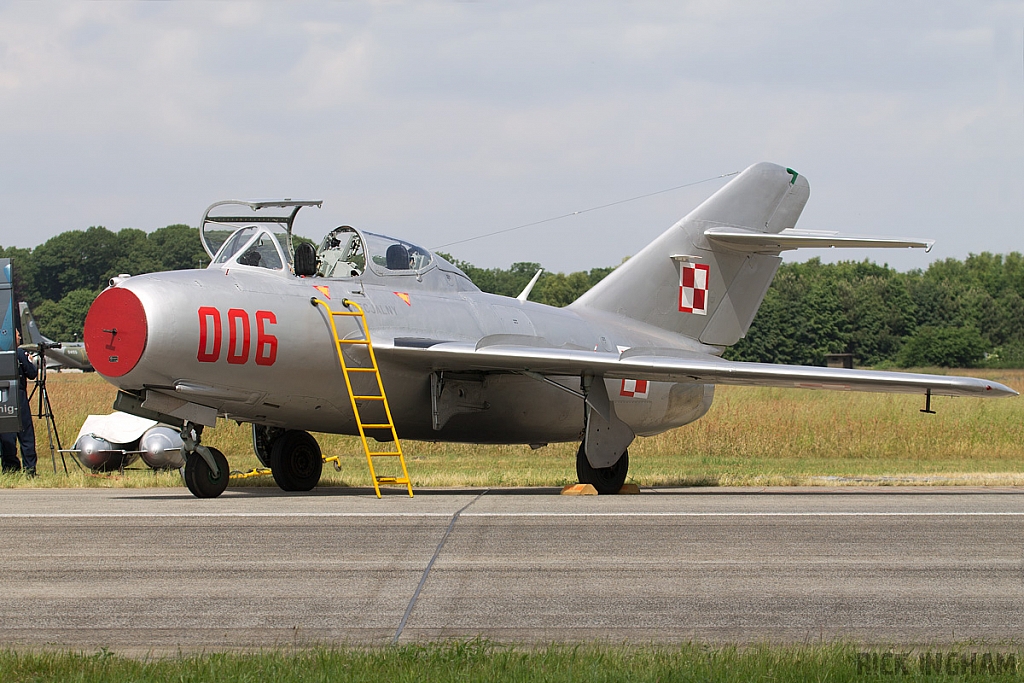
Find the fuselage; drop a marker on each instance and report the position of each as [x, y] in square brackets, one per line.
[247, 342]
[70, 355]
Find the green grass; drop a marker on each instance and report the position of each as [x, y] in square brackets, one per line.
[483, 661]
[751, 436]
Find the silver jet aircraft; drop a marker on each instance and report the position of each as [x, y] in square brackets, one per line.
[58, 354]
[250, 338]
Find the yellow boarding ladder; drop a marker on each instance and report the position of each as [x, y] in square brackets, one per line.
[372, 398]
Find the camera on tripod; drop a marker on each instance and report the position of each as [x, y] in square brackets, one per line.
[44, 345]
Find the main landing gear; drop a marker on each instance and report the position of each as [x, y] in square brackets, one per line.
[295, 461]
[605, 479]
[293, 456]
[603, 458]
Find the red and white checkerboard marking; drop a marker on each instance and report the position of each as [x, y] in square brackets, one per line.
[693, 288]
[634, 388]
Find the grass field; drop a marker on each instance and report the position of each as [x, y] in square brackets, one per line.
[485, 662]
[751, 436]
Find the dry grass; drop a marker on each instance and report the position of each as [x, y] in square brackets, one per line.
[751, 436]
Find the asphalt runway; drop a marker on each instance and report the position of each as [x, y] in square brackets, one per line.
[155, 569]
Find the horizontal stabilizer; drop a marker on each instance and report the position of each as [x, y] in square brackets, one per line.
[741, 239]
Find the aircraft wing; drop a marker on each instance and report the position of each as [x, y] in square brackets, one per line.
[679, 367]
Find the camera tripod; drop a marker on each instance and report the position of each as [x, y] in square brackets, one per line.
[45, 411]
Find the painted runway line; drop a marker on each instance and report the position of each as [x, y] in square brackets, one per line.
[447, 515]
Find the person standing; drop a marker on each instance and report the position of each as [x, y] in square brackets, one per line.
[27, 435]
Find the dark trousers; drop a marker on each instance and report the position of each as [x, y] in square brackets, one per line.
[27, 437]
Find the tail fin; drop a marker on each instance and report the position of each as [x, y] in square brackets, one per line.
[701, 288]
[29, 330]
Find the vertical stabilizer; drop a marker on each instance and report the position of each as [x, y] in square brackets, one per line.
[685, 283]
[29, 330]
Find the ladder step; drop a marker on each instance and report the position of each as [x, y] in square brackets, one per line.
[348, 313]
[368, 398]
[385, 454]
[387, 425]
[360, 369]
[353, 341]
[392, 480]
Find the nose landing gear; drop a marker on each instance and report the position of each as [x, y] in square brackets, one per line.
[199, 476]
[206, 469]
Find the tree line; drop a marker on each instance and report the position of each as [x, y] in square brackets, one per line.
[953, 314]
[60, 278]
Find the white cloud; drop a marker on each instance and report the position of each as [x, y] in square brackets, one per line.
[443, 120]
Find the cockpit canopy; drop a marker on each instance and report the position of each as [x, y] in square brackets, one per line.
[252, 246]
[397, 255]
[343, 254]
[262, 238]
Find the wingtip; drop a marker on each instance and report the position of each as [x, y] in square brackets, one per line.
[1000, 390]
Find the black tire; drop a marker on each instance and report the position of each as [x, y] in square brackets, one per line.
[199, 477]
[604, 479]
[295, 461]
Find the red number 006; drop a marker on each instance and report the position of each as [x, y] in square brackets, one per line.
[211, 333]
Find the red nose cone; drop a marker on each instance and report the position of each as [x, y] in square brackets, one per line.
[115, 332]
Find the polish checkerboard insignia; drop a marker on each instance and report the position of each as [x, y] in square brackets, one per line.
[635, 388]
[693, 288]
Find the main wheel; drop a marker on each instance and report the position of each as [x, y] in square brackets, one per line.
[263, 438]
[199, 477]
[295, 461]
[604, 479]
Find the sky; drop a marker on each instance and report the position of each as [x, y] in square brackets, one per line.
[442, 121]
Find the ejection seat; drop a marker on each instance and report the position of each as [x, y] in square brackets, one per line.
[397, 257]
[305, 260]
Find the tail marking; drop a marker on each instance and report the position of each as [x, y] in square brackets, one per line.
[693, 288]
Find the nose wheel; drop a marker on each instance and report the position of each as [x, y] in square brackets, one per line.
[206, 471]
[200, 477]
